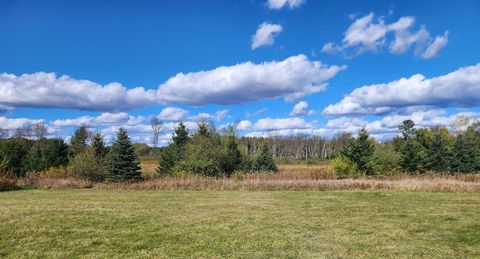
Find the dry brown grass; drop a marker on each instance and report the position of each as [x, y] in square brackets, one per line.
[289, 177]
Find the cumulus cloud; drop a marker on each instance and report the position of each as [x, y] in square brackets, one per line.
[173, 114]
[279, 4]
[264, 36]
[243, 125]
[269, 124]
[103, 119]
[46, 90]
[14, 123]
[301, 109]
[292, 78]
[460, 88]
[369, 34]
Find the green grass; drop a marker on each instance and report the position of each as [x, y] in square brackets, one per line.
[103, 223]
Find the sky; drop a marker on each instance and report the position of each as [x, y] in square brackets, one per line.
[269, 67]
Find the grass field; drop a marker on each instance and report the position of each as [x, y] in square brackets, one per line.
[142, 223]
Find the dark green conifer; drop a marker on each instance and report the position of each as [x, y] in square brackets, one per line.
[264, 160]
[122, 163]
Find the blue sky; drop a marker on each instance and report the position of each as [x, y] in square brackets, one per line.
[310, 53]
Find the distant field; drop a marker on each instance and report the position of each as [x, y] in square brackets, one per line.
[113, 223]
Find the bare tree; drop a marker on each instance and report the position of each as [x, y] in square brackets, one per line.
[157, 125]
[460, 123]
[39, 130]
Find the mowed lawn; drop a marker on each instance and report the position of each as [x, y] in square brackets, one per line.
[119, 223]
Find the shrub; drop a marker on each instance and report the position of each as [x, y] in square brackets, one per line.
[7, 183]
[385, 160]
[344, 167]
[55, 172]
[264, 161]
[87, 166]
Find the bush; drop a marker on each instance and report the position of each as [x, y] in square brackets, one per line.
[55, 172]
[344, 167]
[7, 183]
[87, 166]
[385, 160]
[264, 161]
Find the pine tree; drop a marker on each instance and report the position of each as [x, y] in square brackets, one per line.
[98, 146]
[168, 159]
[180, 138]
[233, 157]
[78, 143]
[465, 155]
[264, 160]
[412, 153]
[439, 154]
[360, 151]
[122, 163]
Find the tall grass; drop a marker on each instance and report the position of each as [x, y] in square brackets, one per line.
[290, 177]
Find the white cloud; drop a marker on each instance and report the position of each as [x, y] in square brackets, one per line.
[269, 124]
[173, 114]
[370, 34]
[460, 88]
[301, 109]
[265, 34]
[14, 123]
[103, 119]
[292, 78]
[244, 125]
[249, 115]
[436, 46]
[279, 4]
[47, 90]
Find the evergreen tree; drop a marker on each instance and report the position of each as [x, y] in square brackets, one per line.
[264, 160]
[439, 154]
[98, 146]
[180, 137]
[55, 153]
[411, 151]
[122, 163]
[12, 155]
[233, 157]
[168, 159]
[203, 128]
[78, 143]
[360, 151]
[466, 155]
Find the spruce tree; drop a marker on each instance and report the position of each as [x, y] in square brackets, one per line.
[180, 137]
[98, 146]
[264, 160]
[122, 163]
[412, 153]
[233, 157]
[360, 151]
[465, 155]
[439, 154]
[78, 143]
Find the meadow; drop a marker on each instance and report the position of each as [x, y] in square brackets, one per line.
[185, 223]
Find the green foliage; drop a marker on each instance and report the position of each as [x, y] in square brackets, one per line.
[344, 167]
[78, 143]
[264, 161]
[385, 159]
[44, 154]
[88, 166]
[122, 162]
[12, 154]
[233, 156]
[439, 154]
[168, 158]
[466, 155]
[98, 146]
[360, 151]
[180, 137]
[412, 150]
